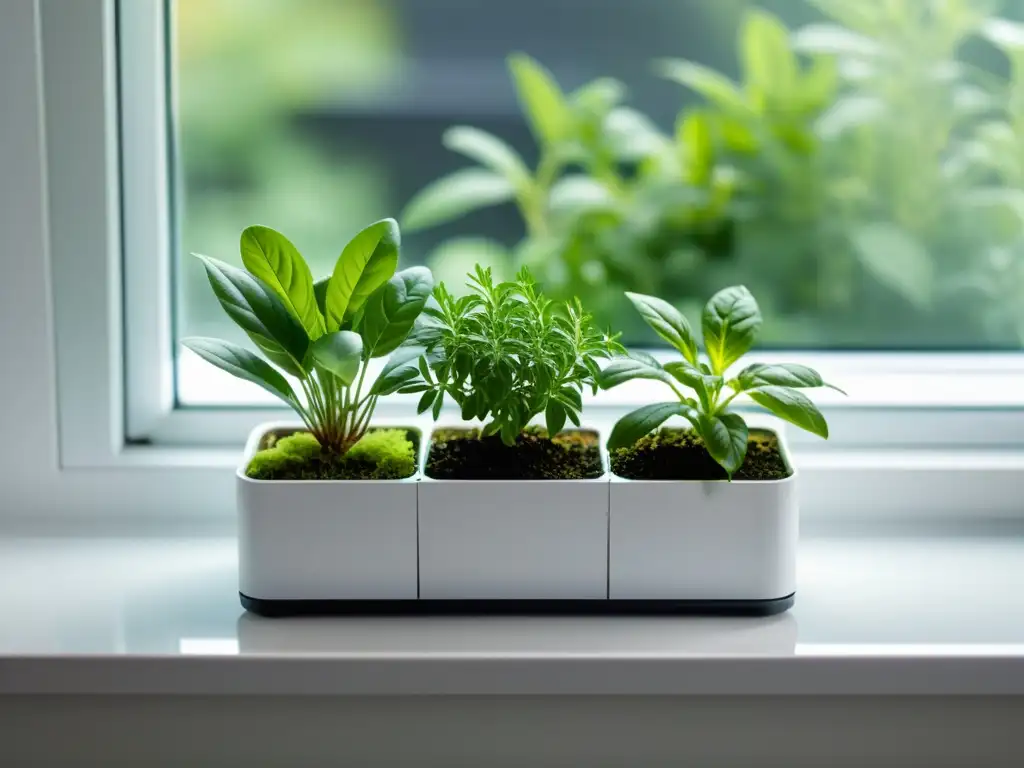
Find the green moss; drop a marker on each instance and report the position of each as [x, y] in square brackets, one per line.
[382, 454]
[679, 454]
[462, 454]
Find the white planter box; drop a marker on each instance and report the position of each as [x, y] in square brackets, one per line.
[704, 540]
[319, 540]
[513, 539]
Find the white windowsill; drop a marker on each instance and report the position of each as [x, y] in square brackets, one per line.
[874, 615]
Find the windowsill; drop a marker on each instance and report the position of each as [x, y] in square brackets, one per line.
[875, 614]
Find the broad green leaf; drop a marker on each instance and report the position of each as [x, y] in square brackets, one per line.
[834, 40]
[598, 97]
[259, 312]
[782, 375]
[576, 193]
[848, 113]
[713, 86]
[686, 373]
[554, 417]
[366, 263]
[623, 369]
[631, 135]
[725, 436]
[793, 406]
[320, 293]
[643, 420]
[769, 65]
[243, 364]
[341, 353]
[392, 310]
[897, 260]
[272, 258]
[455, 195]
[669, 323]
[490, 151]
[730, 321]
[401, 370]
[541, 99]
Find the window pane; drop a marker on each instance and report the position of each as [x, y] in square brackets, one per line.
[857, 163]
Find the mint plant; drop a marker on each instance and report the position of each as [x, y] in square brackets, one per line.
[505, 354]
[323, 334]
[730, 322]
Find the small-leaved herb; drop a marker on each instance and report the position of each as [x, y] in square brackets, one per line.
[505, 354]
[730, 322]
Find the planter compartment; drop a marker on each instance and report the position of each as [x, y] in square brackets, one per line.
[732, 545]
[311, 542]
[513, 540]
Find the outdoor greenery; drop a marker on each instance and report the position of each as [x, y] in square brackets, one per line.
[323, 334]
[855, 163]
[864, 160]
[730, 322]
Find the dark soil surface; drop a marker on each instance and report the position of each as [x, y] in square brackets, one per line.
[678, 454]
[461, 454]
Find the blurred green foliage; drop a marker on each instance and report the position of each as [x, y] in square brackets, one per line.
[862, 172]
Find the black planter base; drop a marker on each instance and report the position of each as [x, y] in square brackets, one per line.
[280, 608]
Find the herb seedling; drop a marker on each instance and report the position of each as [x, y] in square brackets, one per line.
[505, 354]
[730, 322]
[323, 334]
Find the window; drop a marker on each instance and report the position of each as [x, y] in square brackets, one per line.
[127, 197]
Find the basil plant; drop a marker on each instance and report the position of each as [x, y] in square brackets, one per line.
[702, 387]
[322, 334]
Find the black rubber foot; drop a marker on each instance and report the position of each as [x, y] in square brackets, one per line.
[517, 607]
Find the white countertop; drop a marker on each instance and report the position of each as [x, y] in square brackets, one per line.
[900, 615]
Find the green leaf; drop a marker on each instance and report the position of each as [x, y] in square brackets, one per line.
[260, 313]
[725, 436]
[401, 370]
[793, 406]
[715, 87]
[271, 257]
[643, 420]
[686, 373]
[834, 40]
[541, 99]
[366, 263]
[769, 64]
[623, 369]
[392, 310]
[426, 400]
[554, 417]
[490, 151]
[730, 321]
[780, 374]
[897, 260]
[454, 196]
[243, 364]
[576, 194]
[435, 410]
[631, 135]
[320, 293]
[669, 323]
[341, 353]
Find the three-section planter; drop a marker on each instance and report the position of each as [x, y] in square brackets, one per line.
[598, 544]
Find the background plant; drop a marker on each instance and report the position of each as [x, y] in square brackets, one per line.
[505, 354]
[322, 334]
[730, 322]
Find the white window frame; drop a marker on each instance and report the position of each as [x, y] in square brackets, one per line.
[922, 434]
